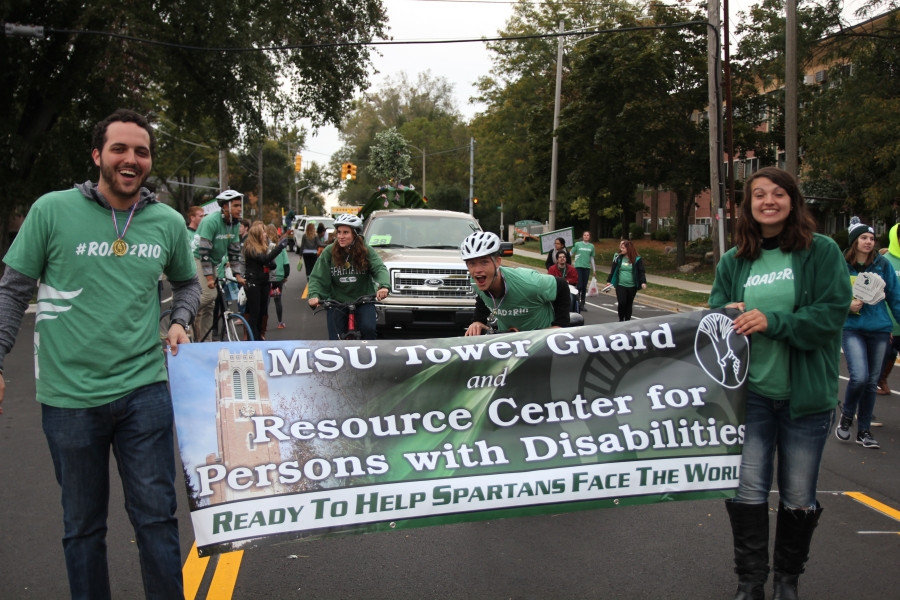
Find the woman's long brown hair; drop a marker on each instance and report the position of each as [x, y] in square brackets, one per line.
[255, 243]
[798, 229]
[850, 254]
[357, 254]
[630, 250]
[311, 231]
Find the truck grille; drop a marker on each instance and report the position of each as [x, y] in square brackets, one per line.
[431, 283]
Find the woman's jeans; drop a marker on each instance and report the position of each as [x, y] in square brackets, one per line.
[338, 321]
[864, 351]
[799, 443]
[138, 427]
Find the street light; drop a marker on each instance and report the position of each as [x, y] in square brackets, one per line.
[422, 150]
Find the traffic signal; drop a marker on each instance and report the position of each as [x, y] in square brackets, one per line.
[474, 200]
[298, 163]
[345, 170]
[425, 199]
[351, 172]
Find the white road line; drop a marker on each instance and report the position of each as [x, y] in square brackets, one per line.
[848, 379]
[890, 532]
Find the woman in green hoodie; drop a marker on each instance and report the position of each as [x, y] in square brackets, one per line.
[346, 270]
[791, 285]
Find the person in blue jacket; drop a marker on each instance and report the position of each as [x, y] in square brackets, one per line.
[866, 334]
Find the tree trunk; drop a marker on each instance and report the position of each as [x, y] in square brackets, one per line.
[593, 222]
[684, 203]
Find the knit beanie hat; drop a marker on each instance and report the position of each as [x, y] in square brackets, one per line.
[857, 229]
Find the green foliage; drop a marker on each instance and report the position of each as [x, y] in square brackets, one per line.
[423, 112]
[884, 240]
[617, 231]
[389, 157]
[853, 125]
[842, 238]
[635, 232]
[661, 235]
[388, 197]
[55, 89]
[700, 246]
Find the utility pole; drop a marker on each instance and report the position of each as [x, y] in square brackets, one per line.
[554, 160]
[501, 221]
[471, 175]
[260, 166]
[223, 170]
[791, 160]
[715, 159]
[424, 192]
[729, 130]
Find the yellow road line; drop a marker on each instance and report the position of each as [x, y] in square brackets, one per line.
[225, 577]
[875, 504]
[305, 292]
[192, 572]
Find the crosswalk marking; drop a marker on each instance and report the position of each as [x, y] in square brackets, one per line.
[192, 572]
[225, 577]
[875, 505]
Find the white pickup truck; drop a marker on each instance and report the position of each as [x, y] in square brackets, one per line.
[430, 284]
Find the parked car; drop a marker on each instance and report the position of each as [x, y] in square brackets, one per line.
[302, 221]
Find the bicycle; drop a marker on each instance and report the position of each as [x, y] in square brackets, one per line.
[352, 332]
[223, 319]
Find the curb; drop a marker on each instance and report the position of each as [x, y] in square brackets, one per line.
[653, 301]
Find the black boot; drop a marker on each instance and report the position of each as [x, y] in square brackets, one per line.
[793, 534]
[750, 527]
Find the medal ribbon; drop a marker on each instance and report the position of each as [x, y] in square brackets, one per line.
[116, 223]
[493, 315]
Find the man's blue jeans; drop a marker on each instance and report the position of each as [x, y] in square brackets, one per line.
[799, 443]
[139, 429]
[864, 351]
[339, 321]
[584, 279]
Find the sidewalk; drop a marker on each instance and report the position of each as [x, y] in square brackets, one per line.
[655, 279]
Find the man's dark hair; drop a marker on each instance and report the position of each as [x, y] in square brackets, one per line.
[246, 223]
[123, 115]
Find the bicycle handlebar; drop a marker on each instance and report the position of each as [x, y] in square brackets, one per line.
[326, 304]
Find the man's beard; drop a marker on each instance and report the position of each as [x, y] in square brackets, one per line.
[108, 174]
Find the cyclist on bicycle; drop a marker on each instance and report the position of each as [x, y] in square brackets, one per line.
[346, 270]
[218, 234]
[514, 299]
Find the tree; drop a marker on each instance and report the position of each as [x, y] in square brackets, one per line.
[55, 89]
[389, 157]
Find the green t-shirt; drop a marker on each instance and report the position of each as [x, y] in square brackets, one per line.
[582, 253]
[346, 284]
[770, 287]
[626, 273]
[96, 334]
[528, 302]
[214, 229]
[195, 240]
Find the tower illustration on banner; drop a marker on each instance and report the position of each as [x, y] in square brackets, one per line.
[242, 392]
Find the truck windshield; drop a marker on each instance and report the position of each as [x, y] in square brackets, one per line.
[419, 232]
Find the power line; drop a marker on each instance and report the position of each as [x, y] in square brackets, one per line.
[41, 32]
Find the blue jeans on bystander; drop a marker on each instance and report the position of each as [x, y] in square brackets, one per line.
[799, 443]
[864, 351]
[584, 279]
[139, 429]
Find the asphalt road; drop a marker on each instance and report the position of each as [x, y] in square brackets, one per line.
[676, 550]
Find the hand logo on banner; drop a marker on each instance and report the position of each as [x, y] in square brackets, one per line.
[715, 353]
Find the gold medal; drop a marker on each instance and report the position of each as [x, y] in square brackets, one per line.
[119, 247]
[346, 265]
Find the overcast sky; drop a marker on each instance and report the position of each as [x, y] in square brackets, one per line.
[461, 64]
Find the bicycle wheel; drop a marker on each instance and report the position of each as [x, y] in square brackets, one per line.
[235, 328]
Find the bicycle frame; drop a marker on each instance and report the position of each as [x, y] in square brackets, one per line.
[352, 332]
[222, 313]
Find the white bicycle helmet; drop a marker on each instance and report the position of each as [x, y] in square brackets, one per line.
[480, 243]
[351, 221]
[227, 196]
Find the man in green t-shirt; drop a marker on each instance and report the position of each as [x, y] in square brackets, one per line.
[219, 239]
[514, 299]
[98, 251]
[583, 257]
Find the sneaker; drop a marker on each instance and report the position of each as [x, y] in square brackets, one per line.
[864, 437]
[843, 429]
[281, 325]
